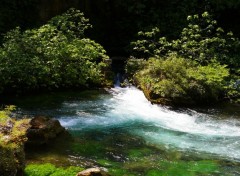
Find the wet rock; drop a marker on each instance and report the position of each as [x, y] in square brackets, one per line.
[43, 130]
[93, 172]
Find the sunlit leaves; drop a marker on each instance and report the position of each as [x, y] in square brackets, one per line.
[55, 55]
[215, 55]
[181, 80]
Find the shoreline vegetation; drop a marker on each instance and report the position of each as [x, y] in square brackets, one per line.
[56, 55]
[200, 67]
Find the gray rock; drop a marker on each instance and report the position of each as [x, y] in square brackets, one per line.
[93, 172]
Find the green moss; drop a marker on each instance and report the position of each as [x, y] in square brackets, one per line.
[155, 173]
[119, 172]
[89, 148]
[12, 138]
[137, 153]
[183, 168]
[40, 170]
[71, 171]
[50, 170]
[204, 166]
[107, 163]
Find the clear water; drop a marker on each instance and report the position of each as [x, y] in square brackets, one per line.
[122, 132]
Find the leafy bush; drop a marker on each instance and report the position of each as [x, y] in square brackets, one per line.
[180, 81]
[202, 40]
[133, 65]
[52, 56]
[203, 64]
[72, 23]
[50, 170]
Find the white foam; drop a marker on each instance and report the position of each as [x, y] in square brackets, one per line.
[132, 103]
[186, 131]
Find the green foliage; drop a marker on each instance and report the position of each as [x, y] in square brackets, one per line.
[233, 89]
[191, 68]
[133, 65]
[181, 81]
[50, 170]
[201, 41]
[51, 56]
[4, 114]
[72, 23]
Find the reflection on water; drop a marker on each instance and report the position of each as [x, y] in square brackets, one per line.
[122, 131]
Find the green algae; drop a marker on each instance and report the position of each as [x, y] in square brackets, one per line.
[183, 168]
[50, 170]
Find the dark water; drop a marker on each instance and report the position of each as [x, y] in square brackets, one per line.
[120, 131]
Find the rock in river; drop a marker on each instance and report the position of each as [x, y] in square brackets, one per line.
[93, 172]
[43, 130]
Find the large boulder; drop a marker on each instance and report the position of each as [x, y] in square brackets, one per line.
[43, 130]
[93, 172]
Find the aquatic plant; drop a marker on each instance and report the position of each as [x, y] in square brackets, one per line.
[48, 169]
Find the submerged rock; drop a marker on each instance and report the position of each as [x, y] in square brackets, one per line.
[93, 172]
[43, 130]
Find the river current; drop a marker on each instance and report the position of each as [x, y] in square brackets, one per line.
[119, 128]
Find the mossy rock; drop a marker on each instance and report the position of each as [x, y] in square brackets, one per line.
[12, 160]
[12, 155]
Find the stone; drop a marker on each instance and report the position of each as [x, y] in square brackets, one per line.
[43, 130]
[93, 172]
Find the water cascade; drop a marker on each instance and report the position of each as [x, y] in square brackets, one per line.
[120, 130]
[188, 130]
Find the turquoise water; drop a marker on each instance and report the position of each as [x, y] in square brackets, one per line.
[120, 131]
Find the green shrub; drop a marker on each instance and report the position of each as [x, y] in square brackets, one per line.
[133, 65]
[55, 55]
[201, 65]
[181, 81]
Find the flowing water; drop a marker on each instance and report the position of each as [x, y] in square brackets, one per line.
[120, 131]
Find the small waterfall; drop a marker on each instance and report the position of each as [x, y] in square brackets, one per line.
[120, 80]
[117, 80]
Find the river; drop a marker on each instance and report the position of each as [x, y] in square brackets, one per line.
[119, 130]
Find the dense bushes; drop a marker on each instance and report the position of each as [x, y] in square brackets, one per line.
[52, 56]
[199, 66]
